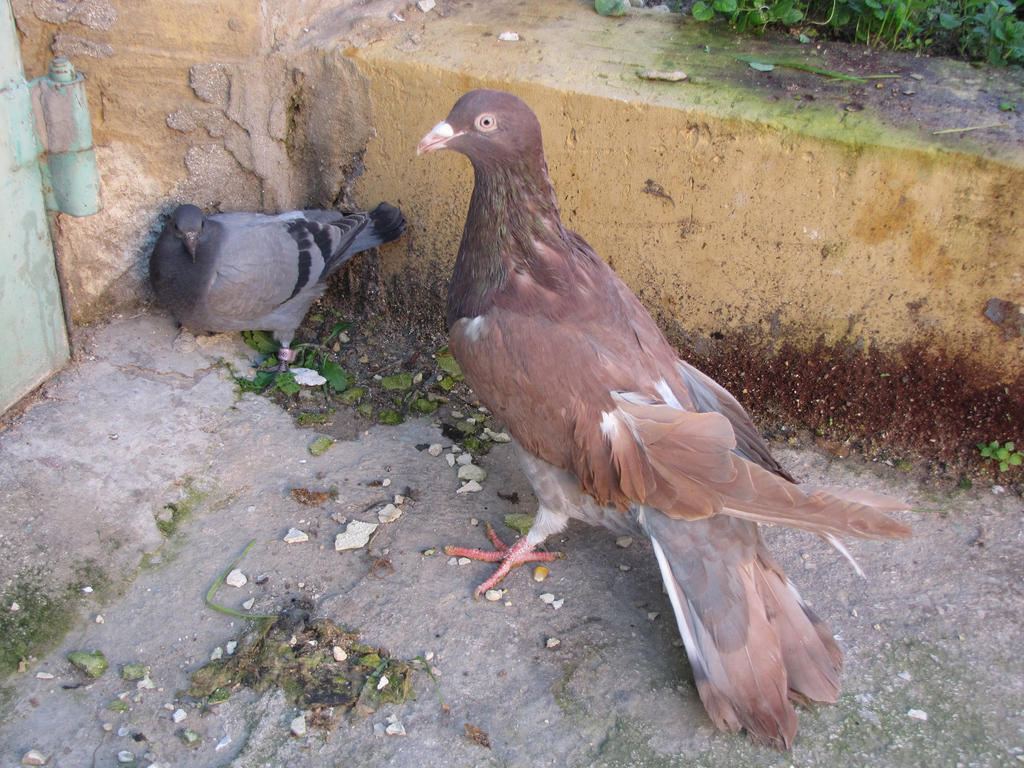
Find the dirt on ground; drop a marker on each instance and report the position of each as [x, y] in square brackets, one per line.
[145, 462]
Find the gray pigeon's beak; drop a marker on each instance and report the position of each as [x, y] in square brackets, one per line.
[191, 239]
[438, 138]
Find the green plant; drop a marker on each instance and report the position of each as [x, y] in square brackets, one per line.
[990, 31]
[1004, 454]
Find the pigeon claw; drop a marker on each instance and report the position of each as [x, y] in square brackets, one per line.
[507, 557]
[286, 355]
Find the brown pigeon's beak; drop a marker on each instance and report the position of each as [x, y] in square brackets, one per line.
[191, 238]
[438, 138]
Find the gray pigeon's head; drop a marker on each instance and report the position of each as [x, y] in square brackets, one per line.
[188, 225]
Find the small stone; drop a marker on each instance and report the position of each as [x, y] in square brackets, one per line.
[295, 536]
[190, 737]
[917, 714]
[547, 598]
[307, 377]
[339, 653]
[248, 604]
[222, 743]
[624, 541]
[93, 663]
[652, 615]
[99, 618]
[463, 459]
[552, 642]
[44, 676]
[179, 715]
[389, 514]
[494, 595]
[107, 727]
[556, 604]
[472, 472]
[229, 647]
[426, 5]
[435, 449]
[453, 561]
[464, 561]
[383, 682]
[145, 684]
[134, 671]
[497, 437]
[385, 482]
[218, 653]
[298, 726]
[904, 676]
[34, 757]
[236, 578]
[87, 590]
[540, 573]
[399, 499]
[450, 458]
[508, 37]
[395, 729]
[471, 487]
[15, 607]
[124, 756]
[474, 522]
[378, 729]
[355, 535]
[623, 567]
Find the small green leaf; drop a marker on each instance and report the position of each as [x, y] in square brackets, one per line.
[519, 523]
[611, 7]
[701, 11]
[423, 405]
[365, 410]
[446, 383]
[286, 383]
[400, 382]
[761, 66]
[448, 364]
[320, 445]
[724, 6]
[261, 341]
[92, 663]
[352, 396]
[949, 21]
[1016, 459]
[387, 416]
[1007, 106]
[804, 39]
[335, 376]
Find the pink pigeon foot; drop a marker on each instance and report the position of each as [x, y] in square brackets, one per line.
[509, 557]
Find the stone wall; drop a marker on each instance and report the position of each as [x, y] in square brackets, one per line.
[230, 105]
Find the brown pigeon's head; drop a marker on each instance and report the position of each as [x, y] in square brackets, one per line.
[188, 225]
[489, 127]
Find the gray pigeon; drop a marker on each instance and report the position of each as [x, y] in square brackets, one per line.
[252, 271]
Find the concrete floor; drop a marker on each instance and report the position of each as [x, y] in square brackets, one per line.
[141, 421]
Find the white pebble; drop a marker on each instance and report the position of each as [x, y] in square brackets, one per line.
[15, 607]
[623, 567]
[473, 521]
[307, 377]
[435, 449]
[236, 578]
[44, 676]
[426, 5]
[339, 653]
[87, 590]
[395, 728]
[624, 541]
[652, 615]
[453, 561]
[494, 595]
[218, 653]
[298, 726]
[179, 715]
[385, 482]
[917, 714]
[472, 472]
[145, 684]
[383, 682]
[450, 458]
[295, 536]
[497, 437]
[556, 604]
[464, 459]
[389, 514]
[248, 604]
[124, 756]
[399, 499]
[229, 647]
[429, 655]
[553, 642]
[471, 487]
[548, 598]
[508, 37]
[222, 743]
[99, 618]
[355, 535]
[34, 757]
[464, 561]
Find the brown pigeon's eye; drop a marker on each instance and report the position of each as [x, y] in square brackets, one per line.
[486, 122]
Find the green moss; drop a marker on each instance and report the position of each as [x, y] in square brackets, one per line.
[42, 618]
[173, 515]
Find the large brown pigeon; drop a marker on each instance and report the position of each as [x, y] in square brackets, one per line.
[253, 271]
[612, 428]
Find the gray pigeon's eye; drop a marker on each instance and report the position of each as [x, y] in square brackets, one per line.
[486, 122]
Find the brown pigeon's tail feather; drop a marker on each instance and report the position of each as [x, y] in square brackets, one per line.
[753, 644]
